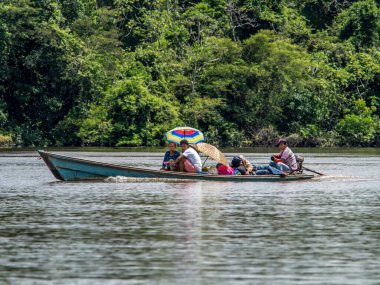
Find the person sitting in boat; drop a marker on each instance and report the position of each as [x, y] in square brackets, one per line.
[237, 165]
[189, 160]
[242, 165]
[284, 161]
[247, 164]
[170, 156]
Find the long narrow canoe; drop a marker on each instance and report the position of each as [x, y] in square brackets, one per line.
[70, 168]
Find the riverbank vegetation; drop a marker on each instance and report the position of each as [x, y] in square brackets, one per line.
[123, 72]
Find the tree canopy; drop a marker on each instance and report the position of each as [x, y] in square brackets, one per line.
[123, 72]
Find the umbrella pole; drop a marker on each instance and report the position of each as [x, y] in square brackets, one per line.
[204, 161]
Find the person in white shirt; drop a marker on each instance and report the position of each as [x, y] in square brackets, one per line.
[189, 160]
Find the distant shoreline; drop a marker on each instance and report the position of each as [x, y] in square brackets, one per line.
[340, 150]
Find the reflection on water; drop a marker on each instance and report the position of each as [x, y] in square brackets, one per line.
[325, 231]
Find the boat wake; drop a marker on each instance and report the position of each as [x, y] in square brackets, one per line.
[346, 178]
[124, 179]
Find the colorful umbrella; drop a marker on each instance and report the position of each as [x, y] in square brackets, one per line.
[192, 135]
[212, 152]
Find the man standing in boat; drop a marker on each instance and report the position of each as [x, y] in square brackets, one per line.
[285, 160]
[189, 160]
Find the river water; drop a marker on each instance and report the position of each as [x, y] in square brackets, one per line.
[325, 231]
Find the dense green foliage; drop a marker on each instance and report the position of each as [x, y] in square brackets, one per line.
[123, 72]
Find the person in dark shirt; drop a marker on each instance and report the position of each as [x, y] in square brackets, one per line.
[237, 165]
[170, 155]
[242, 165]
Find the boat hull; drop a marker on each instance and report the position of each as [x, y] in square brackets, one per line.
[70, 169]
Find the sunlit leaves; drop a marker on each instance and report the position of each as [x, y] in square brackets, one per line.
[359, 126]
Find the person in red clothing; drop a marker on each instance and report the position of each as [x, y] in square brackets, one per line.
[285, 160]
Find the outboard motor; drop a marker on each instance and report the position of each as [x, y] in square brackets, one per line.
[299, 160]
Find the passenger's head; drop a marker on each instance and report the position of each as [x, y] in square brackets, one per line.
[184, 144]
[281, 144]
[172, 146]
[236, 161]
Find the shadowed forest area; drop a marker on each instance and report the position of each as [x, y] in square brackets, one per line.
[123, 72]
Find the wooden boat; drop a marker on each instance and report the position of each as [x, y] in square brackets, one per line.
[69, 168]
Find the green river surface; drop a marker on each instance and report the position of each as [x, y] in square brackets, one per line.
[122, 231]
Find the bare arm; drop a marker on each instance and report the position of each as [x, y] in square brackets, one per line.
[179, 158]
